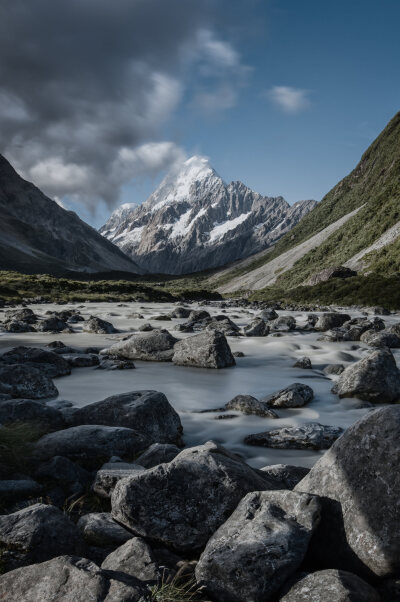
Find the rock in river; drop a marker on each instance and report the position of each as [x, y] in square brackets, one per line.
[293, 396]
[155, 346]
[308, 436]
[18, 380]
[208, 349]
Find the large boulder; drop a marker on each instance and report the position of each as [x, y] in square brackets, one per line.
[46, 361]
[331, 320]
[98, 326]
[190, 497]
[359, 481]
[208, 349]
[99, 529]
[250, 405]
[332, 586]
[158, 453]
[380, 339]
[135, 558]
[30, 410]
[307, 436]
[374, 378]
[51, 324]
[286, 474]
[283, 323]
[70, 578]
[148, 412]
[91, 443]
[24, 315]
[255, 551]
[35, 534]
[18, 380]
[155, 346]
[257, 328]
[294, 396]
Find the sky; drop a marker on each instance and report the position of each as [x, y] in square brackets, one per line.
[99, 99]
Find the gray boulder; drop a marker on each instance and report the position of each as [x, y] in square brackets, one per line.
[156, 346]
[381, 339]
[198, 314]
[135, 558]
[374, 378]
[304, 363]
[24, 315]
[208, 349]
[18, 380]
[35, 534]
[29, 410]
[46, 361]
[261, 544]
[115, 364]
[110, 473]
[358, 479]
[191, 496]
[99, 529]
[268, 314]
[51, 324]
[148, 412]
[70, 578]
[17, 326]
[335, 586]
[180, 312]
[256, 328]
[98, 326]
[283, 323]
[308, 436]
[296, 395]
[250, 405]
[158, 453]
[331, 320]
[81, 360]
[333, 369]
[91, 443]
[286, 474]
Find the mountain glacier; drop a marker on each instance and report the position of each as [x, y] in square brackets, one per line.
[195, 221]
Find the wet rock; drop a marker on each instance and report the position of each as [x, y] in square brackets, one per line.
[99, 529]
[198, 314]
[358, 479]
[333, 369]
[110, 473]
[191, 496]
[238, 354]
[51, 324]
[374, 378]
[263, 543]
[17, 326]
[115, 364]
[286, 474]
[82, 360]
[91, 443]
[136, 558]
[268, 314]
[303, 362]
[381, 339]
[147, 327]
[208, 349]
[19, 380]
[308, 436]
[35, 534]
[29, 410]
[99, 326]
[148, 412]
[221, 323]
[283, 323]
[158, 453]
[294, 396]
[335, 586]
[180, 312]
[331, 320]
[157, 346]
[256, 328]
[250, 405]
[47, 362]
[22, 489]
[21, 315]
[70, 578]
[70, 476]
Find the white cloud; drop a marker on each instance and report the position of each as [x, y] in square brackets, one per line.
[291, 100]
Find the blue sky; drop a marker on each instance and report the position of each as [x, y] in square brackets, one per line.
[284, 95]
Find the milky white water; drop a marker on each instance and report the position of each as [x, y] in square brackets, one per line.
[266, 367]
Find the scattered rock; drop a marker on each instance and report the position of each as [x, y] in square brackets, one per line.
[99, 326]
[296, 395]
[268, 314]
[333, 369]
[115, 364]
[256, 328]
[99, 529]
[250, 405]
[157, 346]
[331, 320]
[308, 436]
[208, 349]
[335, 586]
[82, 360]
[158, 453]
[381, 339]
[283, 323]
[18, 380]
[180, 312]
[303, 362]
[286, 474]
[52, 324]
[238, 354]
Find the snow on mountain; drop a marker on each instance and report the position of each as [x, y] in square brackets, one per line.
[195, 221]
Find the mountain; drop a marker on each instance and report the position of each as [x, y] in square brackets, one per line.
[195, 221]
[357, 224]
[37, 235]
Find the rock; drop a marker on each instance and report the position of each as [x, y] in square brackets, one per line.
[65, 473]
[256, 328]
[35, 534]
[180, 312]
[52, 324]
[381, 339]
[303, 362]
[191, 496]
[238, 354]
[157, 346]
[158, 453]
[99, 529]
[136, 558]
[261, 544]
[99, 326]
[91, 443]
[286, 474]
[333, 369]
[268, 314]
[208, 349]
[17, 326]
[308, 436]
[161, 318]
[331, 320]
[148, 412]
[12, 490]
[250, 405]
[21, 315]
[395, 328]
[47, 362]
[70, 578]
[283, 323]
[110, 473]
[18, 380]
[329, 273]
[29, 410]
[358, 477]
[147, 327]
[82, 360]
[335, 586]
[294, 396]
[198, 314]
[374, 378]
[115, 364]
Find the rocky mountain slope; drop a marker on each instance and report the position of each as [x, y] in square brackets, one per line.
[37, 235]
[357, 224]
[195, 221]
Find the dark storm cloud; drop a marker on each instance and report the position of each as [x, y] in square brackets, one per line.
[85, 86]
